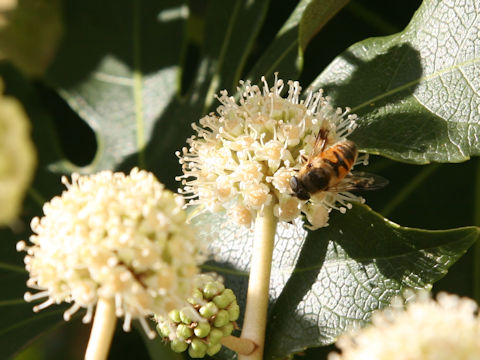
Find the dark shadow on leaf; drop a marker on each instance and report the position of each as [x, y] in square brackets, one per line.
[396, 69]
[380, 91]
[300, 283]
[351, 268]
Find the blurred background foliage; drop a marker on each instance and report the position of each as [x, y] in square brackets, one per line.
[434, 196]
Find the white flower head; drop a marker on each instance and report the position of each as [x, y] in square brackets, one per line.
[448, 328]
[243, 157]
[116, 236]
[17, 157]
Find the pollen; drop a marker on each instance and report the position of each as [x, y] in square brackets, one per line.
[242, 157]
[287, 209]
[240, 214]
[257, 195]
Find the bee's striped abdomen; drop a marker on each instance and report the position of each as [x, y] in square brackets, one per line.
[341, 157]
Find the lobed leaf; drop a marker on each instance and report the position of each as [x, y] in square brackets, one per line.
[324, 282]
[118, 67]
[416, 92]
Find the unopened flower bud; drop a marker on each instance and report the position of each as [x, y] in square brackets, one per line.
[184, 331]
[221, 319]
[196, 297]
[202, 329]
[234, 312]
[222, 301]
[178, 345]
[213, 349]
[185, 316]
[208, 310]
[174, 315]
[202, 325]
[227, 329]
[197, 349]
[215, 335]
[164, 329]
[212, 289]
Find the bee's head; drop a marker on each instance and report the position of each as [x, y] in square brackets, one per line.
[298, 189]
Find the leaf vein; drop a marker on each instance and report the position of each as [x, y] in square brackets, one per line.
[414, 82]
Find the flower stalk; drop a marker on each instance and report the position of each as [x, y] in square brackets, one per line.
[102, 330]
[255, 319]
[239, 345]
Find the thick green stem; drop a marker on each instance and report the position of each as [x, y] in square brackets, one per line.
[255, 320]
[102, 330]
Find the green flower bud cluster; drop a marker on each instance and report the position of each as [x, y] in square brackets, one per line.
[201, 326]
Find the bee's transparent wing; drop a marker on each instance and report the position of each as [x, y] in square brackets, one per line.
[360, 181]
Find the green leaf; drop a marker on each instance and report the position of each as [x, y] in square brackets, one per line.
[285, 53]
[416, 92]
[231, 28]
[315, 16]
[336, 276]
[118, 68]
[29, 34]
[20, 325]
[127, 70]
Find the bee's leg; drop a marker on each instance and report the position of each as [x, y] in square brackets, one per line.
[304, 159]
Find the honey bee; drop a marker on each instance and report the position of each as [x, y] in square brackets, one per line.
[328, 169]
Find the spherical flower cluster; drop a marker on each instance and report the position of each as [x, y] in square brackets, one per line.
[17, 157]
[201, 326]
[243, 158]
[446, 329]
[113, 236]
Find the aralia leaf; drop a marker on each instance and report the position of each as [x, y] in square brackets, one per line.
[336, 276]
[126, 83]
[118, 67]
[416, 92]
[285, 53]
[230, 31]
[316, 15]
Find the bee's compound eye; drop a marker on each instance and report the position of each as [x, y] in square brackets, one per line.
[294, 183]
[299, 189]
